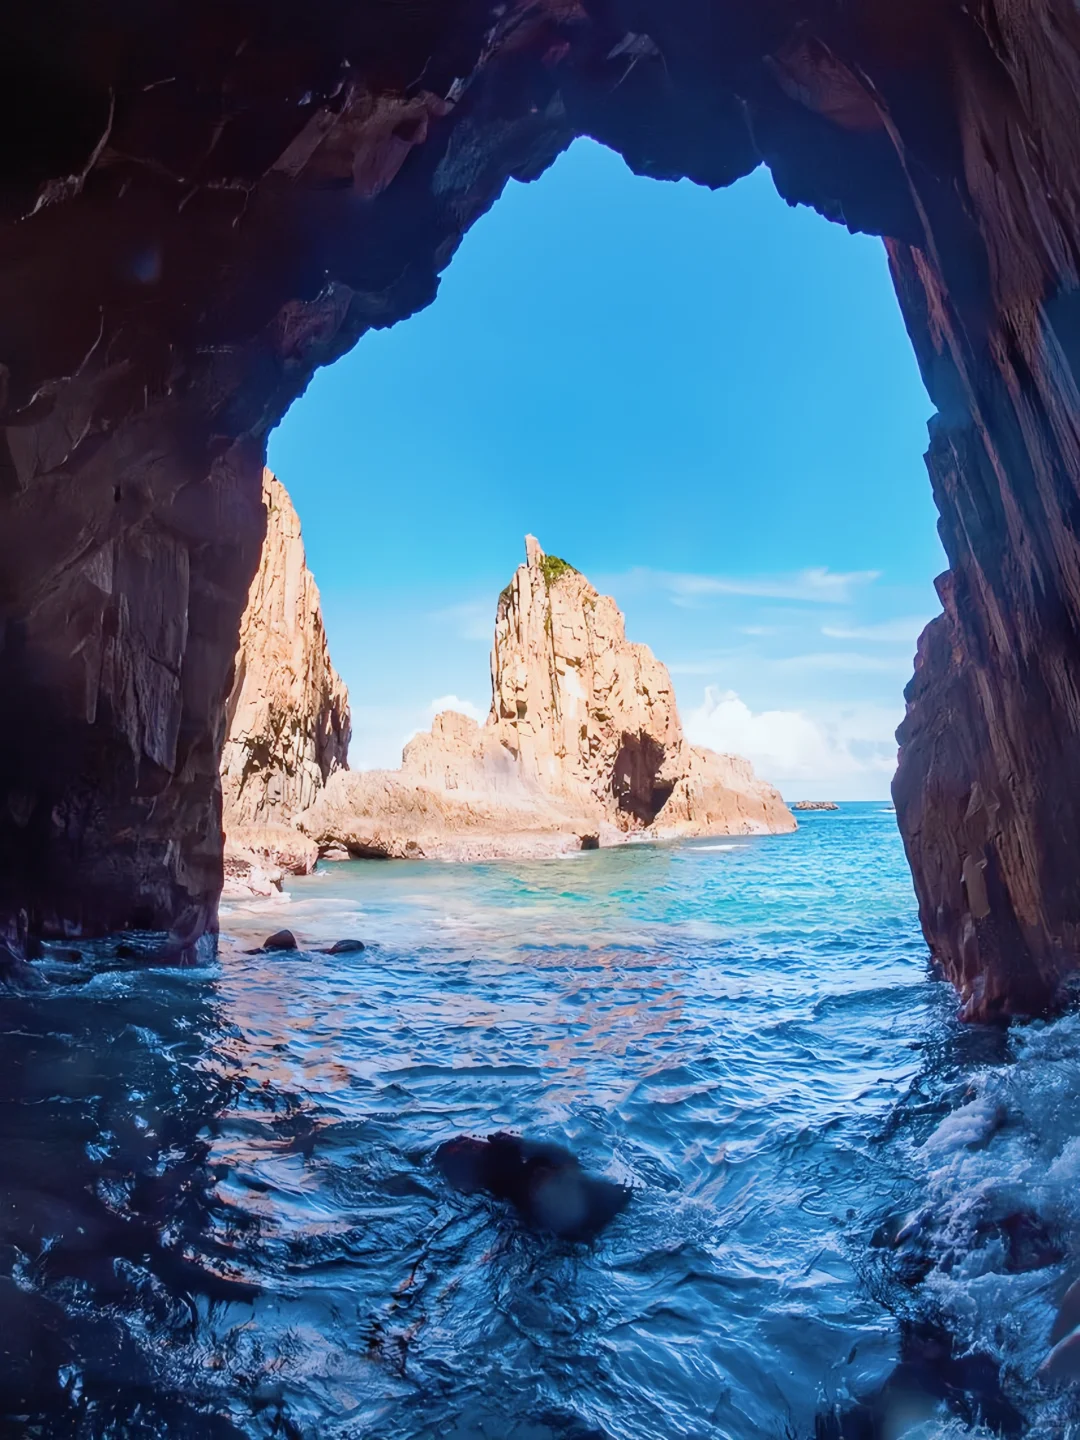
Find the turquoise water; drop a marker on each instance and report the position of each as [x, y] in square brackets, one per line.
[744, 1031]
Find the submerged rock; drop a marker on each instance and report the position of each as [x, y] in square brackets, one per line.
[18, 974]
[544, 1182]
[583, 747]
[345, 947]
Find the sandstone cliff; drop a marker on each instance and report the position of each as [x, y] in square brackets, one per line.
[288, 711]
[583, 747]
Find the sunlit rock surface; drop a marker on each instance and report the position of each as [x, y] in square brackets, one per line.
[288, 711]
[583, 747]
[200, 205]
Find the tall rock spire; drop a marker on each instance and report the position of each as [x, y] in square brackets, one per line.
[288, 712]
[583, 746]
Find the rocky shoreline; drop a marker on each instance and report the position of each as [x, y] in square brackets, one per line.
[583, 748]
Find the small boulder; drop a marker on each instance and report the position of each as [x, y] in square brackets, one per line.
[125, 951]
[280, 940]
[345, 947]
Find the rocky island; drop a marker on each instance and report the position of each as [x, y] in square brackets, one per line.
[583, 747]
[814, 805]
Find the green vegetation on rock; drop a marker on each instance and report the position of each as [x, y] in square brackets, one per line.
[552, 567]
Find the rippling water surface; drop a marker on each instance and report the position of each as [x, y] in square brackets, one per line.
[220, 1217]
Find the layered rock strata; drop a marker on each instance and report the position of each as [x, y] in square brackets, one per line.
[583, 747]
[200, 205]
[287, 714]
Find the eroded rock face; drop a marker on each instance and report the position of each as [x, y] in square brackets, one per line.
[202, 204]
[583, 747]
[287, 715]
[592, 717]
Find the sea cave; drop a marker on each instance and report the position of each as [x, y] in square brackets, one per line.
[203, 205]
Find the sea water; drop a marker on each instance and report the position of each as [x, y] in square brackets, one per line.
[827, 1167]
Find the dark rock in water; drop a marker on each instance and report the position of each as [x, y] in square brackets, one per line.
[345, 947]
[63, 953]
[1029, 1243]
[1068, 1315]
[929, 1373]
[280, 940]
[545, 1183]
[17, 974]
[124, 951]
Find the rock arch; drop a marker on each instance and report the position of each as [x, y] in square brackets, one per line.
[201, 204]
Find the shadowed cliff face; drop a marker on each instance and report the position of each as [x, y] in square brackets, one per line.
[202, 204]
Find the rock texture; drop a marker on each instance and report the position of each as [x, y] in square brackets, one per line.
[202, 204]
[287, 713]
[583, 747]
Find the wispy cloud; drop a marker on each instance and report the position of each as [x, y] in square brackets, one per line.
[903, 631]
[843, 662]
[846, 662]
[711, 665]
[471, 620]
[817, 585]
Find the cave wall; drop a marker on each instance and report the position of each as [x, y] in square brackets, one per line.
[201, 204]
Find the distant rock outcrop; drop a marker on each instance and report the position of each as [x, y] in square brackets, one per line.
[583, 747]
[288, 712]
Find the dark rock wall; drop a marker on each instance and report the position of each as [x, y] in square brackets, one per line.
[201, 204]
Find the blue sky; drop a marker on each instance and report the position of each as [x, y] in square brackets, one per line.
[705, 401]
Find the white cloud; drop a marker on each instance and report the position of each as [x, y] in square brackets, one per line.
[835, 752]
[454, 702]
[902, 631]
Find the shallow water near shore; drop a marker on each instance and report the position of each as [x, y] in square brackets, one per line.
[824, 1162]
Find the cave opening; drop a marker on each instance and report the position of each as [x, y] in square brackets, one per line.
[636, 781]
[260, 196]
